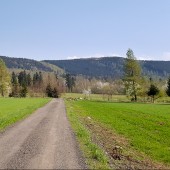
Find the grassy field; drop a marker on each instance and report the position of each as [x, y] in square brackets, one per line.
[96, 97]
[14, 109]
[113, 98]
[144, 127]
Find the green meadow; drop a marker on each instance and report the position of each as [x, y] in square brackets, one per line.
[14, 109]
[145, 126]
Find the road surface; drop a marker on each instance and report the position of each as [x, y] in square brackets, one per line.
[44, 140]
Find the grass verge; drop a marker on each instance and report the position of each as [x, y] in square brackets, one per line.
[15, 109]
[94, 155]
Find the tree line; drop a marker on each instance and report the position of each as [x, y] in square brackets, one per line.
[23, 83]
[134, 84]
[138, 85]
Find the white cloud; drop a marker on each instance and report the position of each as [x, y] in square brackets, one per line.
[97, 55]
[144, 57]
[72, 57]
[164, 57]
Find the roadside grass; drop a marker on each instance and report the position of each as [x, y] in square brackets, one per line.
[145, 126]
[14, 109]
[94, 155]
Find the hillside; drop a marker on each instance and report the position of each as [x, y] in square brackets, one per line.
[109, 67]
[92, 67]
[104, 67]
[28, 64]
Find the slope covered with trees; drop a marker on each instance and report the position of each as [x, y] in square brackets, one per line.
[28, 64]
[110, 67]
[92, 67]
[106, 67]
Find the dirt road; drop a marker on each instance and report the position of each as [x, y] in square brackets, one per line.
[44, 140]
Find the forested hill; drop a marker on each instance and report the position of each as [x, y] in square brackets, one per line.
[22, 63]
[92, 67]
[28, 64]
[109, 67]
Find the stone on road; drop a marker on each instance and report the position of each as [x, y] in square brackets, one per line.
[44, 140]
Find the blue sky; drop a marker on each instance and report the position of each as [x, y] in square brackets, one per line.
[62, 29]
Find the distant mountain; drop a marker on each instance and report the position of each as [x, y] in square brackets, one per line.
[28, 64]
[109, 67]
[104, 67]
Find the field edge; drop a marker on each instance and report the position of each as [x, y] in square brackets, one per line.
[94, 156]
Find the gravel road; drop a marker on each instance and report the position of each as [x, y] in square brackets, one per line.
[44, 140]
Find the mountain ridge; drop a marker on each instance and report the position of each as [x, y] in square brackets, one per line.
[29, 64]
[101, 67]
[110, 67]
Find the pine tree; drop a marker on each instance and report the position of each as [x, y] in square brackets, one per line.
[168, 87]
[49, 91]
[15, 86]
[14, 78]
[70, 82]
[4, 78]
[55, 93]
[132, 74]
[22, 78]
[29, 80]
[153, 91]
[40, 78]
[24, 91]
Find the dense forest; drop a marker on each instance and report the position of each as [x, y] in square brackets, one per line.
[106, 67]
[110, 67]
[29, 64]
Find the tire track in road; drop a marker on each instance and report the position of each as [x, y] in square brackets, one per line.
[44, 140]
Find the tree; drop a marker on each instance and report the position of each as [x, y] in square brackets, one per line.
[55, 93]
[52, 92]
[70, 82]
[168, 87]
[15, 86]
[132, 75]
[24, 91]
[22, 78]
[49, 90]
[29, 79]
[4, 78]
[14, 78]
[153, 91]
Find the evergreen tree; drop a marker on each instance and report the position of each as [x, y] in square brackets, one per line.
[29, 80]
[168, 87]
[49, 91]
[34, 79]
[55, 93]
[15, 86]
[24, 91]
[37, 78]
[40, 78]
[153, 91]
[14, 78]
[15, 91]
[70, 82]
[4, 78]
[22, 78]
[132, 74]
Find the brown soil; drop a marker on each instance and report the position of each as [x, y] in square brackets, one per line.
[121, 154]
